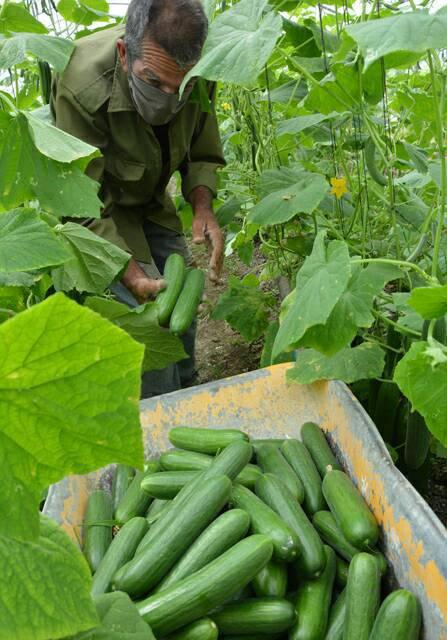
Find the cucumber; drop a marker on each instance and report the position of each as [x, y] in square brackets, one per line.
[313, 603]
[97, 527]
[120, 551]
[326, 525]
[275, 494]
[167, 484]
[417, 441]
[370, 161]
[271, 581]
[401, 424]
[318, 447]
[121, 480]
[301, 462]
[341, 573]
[204, 440]
[362, 597]
[229, 462]
[198, 594]
[387, 405]
[399, 617]
[185, 309]
[336, 622]
[271, 460]
[260, 615]
[219, 536]
[258, 442]
[155, 509]
[265, 521]
[203, 629]
[149, 566]
[45, 80]
[174, 275]
[135, 501]
[351, 512]
[256, 636]
[178, 460]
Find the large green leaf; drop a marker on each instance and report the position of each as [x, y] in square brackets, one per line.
[25, 174]
[353, 310]
[15, 17]
[85, 13]
[45, 591]
[280, 206]
[162, 348]
[281, 178]
[360, 363]
[94, 263]
[429, 302]
[120, 620]
[414, 31]
[26, 242]
[320, 283]
[422, 377]
[69, 390]
[239, 44]
[245, 307]
[56, 51]
[300, 123]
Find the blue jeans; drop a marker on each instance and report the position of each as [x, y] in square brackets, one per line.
[162, 243]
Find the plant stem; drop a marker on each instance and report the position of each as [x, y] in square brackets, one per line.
[399, 327]
[398, 263]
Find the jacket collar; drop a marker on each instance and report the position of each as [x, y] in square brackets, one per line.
[120, 98]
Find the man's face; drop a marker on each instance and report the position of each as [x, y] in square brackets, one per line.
[155, 67]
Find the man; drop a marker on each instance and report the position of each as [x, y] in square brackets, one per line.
[120, 93]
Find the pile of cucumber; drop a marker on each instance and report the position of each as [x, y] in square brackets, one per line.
[177, 304]
[223, 537]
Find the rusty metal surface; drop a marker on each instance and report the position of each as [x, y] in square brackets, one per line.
[260, 403]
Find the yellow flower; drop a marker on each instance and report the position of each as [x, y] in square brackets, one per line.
[226, 106]
[339, 187]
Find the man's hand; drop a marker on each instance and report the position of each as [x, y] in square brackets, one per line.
[139, 284]
[205, 229]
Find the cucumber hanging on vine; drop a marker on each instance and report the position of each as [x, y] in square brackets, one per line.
[45, 80]
[370, 160]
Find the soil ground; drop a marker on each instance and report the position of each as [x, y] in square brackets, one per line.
[221, 352]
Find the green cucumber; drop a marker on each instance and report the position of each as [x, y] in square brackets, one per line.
[399, 617]
[271, 460]
[326, 525]
[341, 573]
[219, 536]
[45, 80]
[204, 440]
[203, 591]
[155, 510]
[401, 424]
[301, 462]
[265, 521]
[229, 462]
[417, 441]
[256, 636]
[121, 481]
[260, 615]
[97, 527]
[387, 404]
[362, 597]
[167, 484]
[350, 510]
[370, 161]
[150, 565]
[120, 551]
[258, 442]
[318, 447]
[336, 624]
[178, 460]
[271, 581]
[174, 275]
[203, 629]
[135, 501]
[313, 603]
[188, 302]
[275, 494]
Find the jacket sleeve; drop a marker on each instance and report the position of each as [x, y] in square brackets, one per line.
[205, 154]
[70, 116]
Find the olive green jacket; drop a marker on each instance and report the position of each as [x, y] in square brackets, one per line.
[92, 101]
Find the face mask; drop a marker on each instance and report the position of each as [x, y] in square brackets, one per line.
[155, 106]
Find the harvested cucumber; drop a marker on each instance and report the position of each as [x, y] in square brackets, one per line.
[155, 509]
[204, 440]
[97, 527]
[341, 573]
[203, 591]
[135, 501]
[271, 581]
[167, 484]
[317, 445]
[336, 624]
[301, 462]
[265, 521]
[203, 629]
[362, 597]
[174, 275]
[121, 481]
[399, 617]
[271, 460]
[260, 615]
[188, 302]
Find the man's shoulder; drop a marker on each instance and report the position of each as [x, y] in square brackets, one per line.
[89, 74]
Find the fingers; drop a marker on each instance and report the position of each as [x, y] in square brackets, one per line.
[198, 230]
[216, 241]
[146, 288]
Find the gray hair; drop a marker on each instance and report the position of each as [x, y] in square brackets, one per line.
[180, 27]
